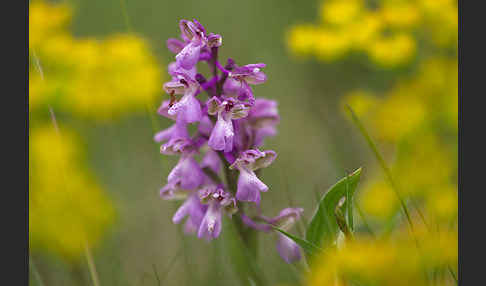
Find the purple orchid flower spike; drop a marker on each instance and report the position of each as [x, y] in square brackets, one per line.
[231, 126]
[218, 201]
[188, 108]
[222, 135]
[194, 210]
[249, 186]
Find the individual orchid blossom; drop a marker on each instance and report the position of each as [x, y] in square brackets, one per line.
[195, 40]
[188, 108]
[194, 210]
[249, 186]
[239, 79]
[222, 135]
[287, 248]
[184, 177]
[218, 201]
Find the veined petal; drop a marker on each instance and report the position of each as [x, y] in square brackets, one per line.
[249, 187]
[188, 109]
[187, 174]
[210, 227]
[188, 57]
[222, 136]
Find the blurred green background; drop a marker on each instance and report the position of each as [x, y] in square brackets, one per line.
[316, 145]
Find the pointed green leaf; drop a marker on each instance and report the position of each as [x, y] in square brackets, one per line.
[323, 229]
[308, 247]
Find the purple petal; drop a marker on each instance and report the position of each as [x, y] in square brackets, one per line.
[187, 173]
[211, 224]
[211, 160]
[175, 45]
[164, 110]
[264, 108]
[262, 133]
[188, 29]
[286, 218]
[249, 187]
[188, 57]
[258, 226]
[205, 126]
[175, 71]
[193, 208]
[288, 249]
[222, 136]
[165, 134]
[188, 109]
[214, 40]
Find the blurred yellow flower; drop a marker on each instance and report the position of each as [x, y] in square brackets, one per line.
[360, 101]
[302, 39]
[45, 20]
[98, 79]
[387, 261]
[67, 208]
[397, 116]
[331, 45]
[340, 12]
[387, 31]
[379, 200]
[393, 50]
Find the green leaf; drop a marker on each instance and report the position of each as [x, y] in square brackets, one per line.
[308, 247]
[323, 228]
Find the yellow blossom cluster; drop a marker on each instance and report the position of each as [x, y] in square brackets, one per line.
[88, 77]
[389, 261]
[418, 116]
[387, 31]
[68, 209]
[414, 124]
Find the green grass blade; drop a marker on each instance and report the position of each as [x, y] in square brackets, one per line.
[381, 162]
[308, 247]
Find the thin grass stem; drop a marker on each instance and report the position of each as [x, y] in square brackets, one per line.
[382, 164]
[35, 272]
[91, 266]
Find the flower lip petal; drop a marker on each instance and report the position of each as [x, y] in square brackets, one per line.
[249, 187]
